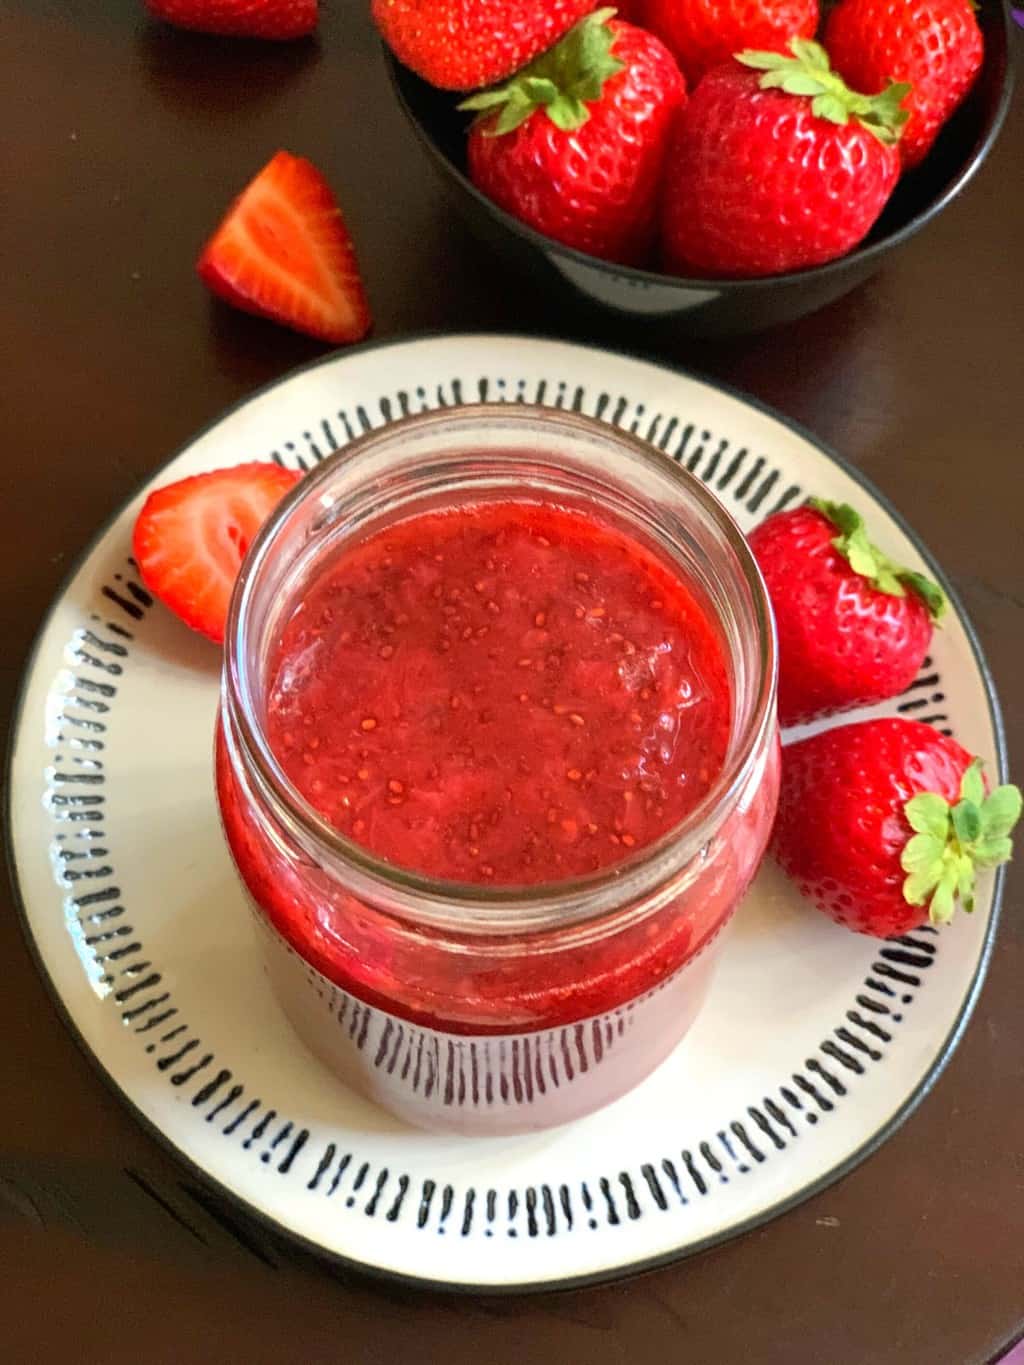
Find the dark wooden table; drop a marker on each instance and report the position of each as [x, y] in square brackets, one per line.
[122, 143]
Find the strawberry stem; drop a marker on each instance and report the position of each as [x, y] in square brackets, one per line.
[561, 81]
[872, 563]
[950, 843]
[809, 73]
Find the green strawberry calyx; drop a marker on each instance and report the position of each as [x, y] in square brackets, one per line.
[951, 842]
[871, 563]
[809, 72]
[561, 81]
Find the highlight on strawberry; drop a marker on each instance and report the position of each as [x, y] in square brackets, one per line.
[191, 536]
[283, 252]
[853, 626]
[574, 144]
[885, 824]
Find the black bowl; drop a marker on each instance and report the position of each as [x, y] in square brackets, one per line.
[706, 307]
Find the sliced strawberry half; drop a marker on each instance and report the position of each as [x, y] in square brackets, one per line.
[283, 252]
[191, 537]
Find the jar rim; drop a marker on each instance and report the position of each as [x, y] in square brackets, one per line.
[471, 904]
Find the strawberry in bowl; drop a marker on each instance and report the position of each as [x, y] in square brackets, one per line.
[777, 165]
[463, 44]
[676, 284]
[574, 145]
[935, 46]
[704, 33]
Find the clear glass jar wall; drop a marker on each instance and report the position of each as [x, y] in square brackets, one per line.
[465, 1007]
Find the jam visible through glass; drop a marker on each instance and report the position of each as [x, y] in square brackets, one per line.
[502, 693]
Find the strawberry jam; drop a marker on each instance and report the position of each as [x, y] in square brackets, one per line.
[496, 769]
[503, 693]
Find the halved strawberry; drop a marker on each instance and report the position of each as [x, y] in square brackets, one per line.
[283, 251]
[191, 537]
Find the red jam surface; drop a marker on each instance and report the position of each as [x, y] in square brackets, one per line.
[506, 694]
[503, 693]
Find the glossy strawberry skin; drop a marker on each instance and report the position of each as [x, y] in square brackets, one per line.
[935, 45]
[842, 642]
[465, 44]
[277, 20]
[704, 33]
[755, 184]
[597, 188]
[841, 825]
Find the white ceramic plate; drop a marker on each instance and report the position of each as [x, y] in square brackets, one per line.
[814, 1044]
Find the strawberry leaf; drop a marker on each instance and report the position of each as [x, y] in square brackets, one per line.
[889, 104]
[918, 886]
[810, 53]
[871, 563]
[858, 551]
[992, 852]
[972, 786]
[932, 595]
[928, 814]
[539, 89]
[831, 108]
[516, 111]
[487, 99]
[948, 845]
[808, 74]
[1000, 811]
[965, 882]
[943, 903]
[793, 82]
[887, 577]
[967, 822]
[562, 81]
[762, 61]
[842, 516]
[568, 113]
[922, 852]
[922, 860]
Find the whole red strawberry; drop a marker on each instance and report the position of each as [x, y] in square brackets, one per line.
[464, 44]
[936, 45]
[275, 19]
[883, 824]
[776, 168]
[853, 626]
[574, 144]
[705, 33]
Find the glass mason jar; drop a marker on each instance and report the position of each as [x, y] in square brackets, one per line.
[473, 1008]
